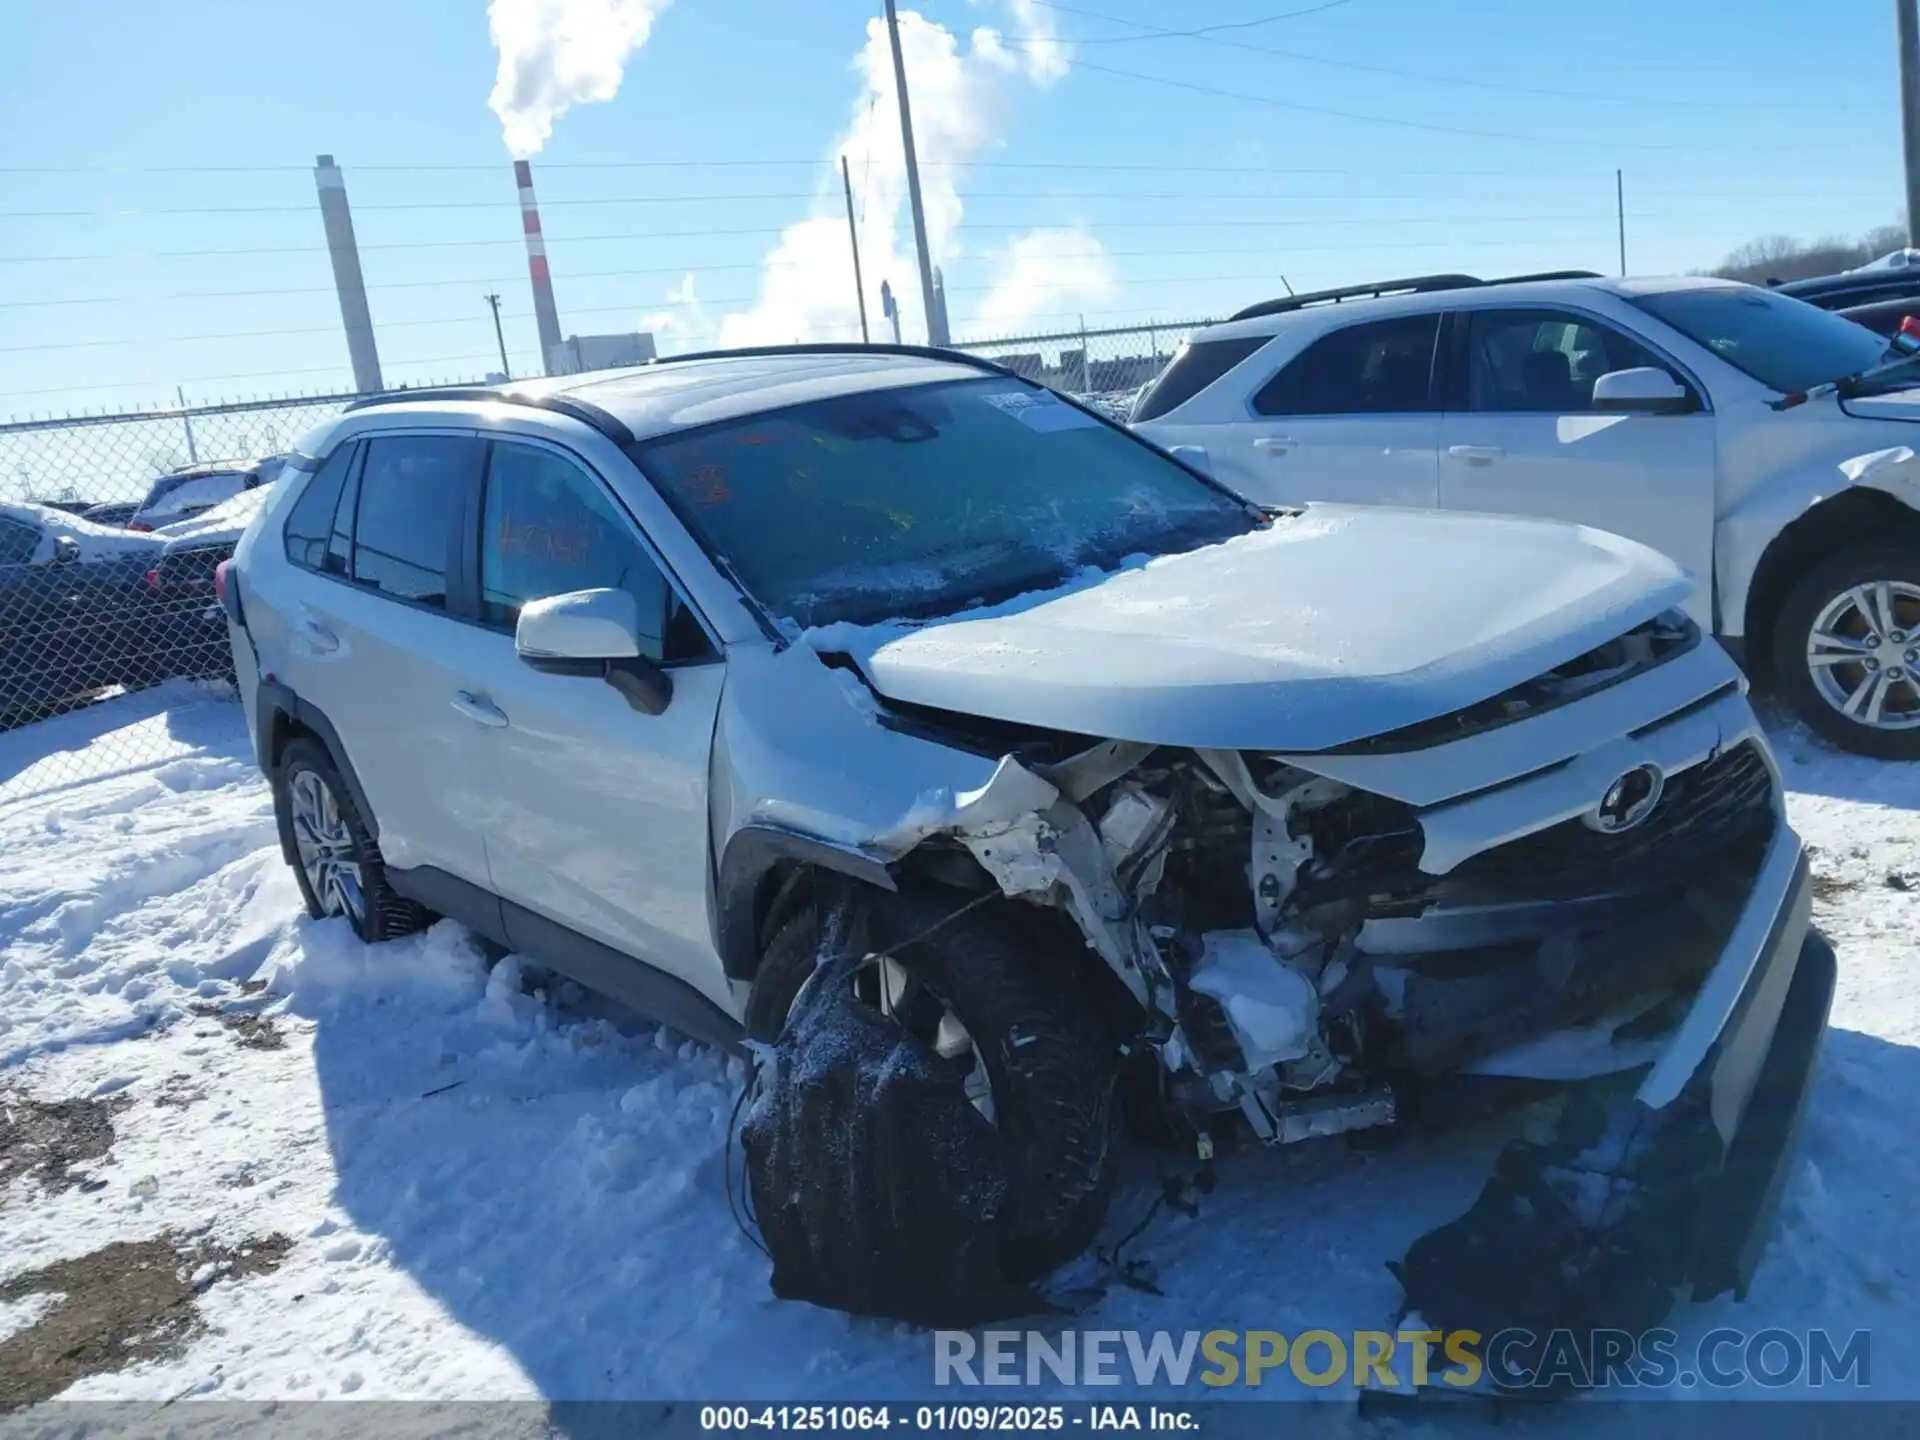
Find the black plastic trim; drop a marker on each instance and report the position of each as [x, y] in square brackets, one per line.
[274, 699]
[654, 993]
[473, 906]
[750, 855]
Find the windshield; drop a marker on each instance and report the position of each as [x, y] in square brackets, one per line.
[922, 500]
[1783, 343]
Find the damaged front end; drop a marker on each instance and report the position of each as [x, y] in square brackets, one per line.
[1584, 884]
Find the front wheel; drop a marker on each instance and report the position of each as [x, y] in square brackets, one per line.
[1846, 650]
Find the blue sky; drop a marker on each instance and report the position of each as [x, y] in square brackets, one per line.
[156, 159]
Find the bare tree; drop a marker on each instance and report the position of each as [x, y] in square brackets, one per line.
[1781, 257]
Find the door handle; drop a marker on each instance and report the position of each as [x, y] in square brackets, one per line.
[1275, 445]
[481, 712]
[319, 636]
[1476, 454]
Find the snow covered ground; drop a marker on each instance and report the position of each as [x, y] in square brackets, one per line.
[407, 1174]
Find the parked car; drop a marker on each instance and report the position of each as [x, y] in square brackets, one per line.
[73, 620]
[987, 764]
[198, 488]
[1887, 317]
[189, 628]
[112, 512]
[1762, 443]
[1851, 288]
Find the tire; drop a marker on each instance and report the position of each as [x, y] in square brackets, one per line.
[1815, 692]
[1049, 1064]
[371, 906]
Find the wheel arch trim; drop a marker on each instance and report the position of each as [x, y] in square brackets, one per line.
[752, 854]
[279, 710]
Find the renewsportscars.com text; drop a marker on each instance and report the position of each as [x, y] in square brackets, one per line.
[1404, 1359]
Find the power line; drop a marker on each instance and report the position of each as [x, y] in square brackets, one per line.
[1200, 32]
[1206, 35]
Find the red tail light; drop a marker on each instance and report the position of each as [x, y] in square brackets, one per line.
[153, 579]
[1910, 327]
[220, 581]
[141, 526]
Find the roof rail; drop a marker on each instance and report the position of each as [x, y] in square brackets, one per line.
[842, 347]
[558, 404]
[1415, 285]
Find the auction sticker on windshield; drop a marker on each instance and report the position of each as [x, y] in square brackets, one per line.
[1041, 410]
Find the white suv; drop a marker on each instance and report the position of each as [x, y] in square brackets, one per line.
[1053, 765]
[1759, 441]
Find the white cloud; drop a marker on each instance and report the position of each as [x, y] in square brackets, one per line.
[682, 325]
[555, 54]
[960, 110]
[1045, 272]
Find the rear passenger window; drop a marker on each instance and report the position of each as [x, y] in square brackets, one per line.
[312, 517]
[547, 528]
[1382, 368]
[412, 491]
[17, 542]
[1195, 368]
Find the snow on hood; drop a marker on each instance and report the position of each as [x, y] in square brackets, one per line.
[96, 541]
[226, 521]
[1330, 626]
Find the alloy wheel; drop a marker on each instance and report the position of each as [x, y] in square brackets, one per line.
[1863, 654]
[325, 844]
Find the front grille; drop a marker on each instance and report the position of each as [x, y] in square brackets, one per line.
[1703, 813]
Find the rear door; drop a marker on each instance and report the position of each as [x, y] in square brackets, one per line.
[1521, 436]
[595, 814]
[1354, 418]
[373, 643]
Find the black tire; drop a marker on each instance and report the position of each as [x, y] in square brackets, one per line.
[1049, 1062]
[384, 914]
[1793, 675]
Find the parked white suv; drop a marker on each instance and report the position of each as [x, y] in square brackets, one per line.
[1764, 444]
[975, 757]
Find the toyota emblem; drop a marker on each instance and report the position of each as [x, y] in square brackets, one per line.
[1628, 801]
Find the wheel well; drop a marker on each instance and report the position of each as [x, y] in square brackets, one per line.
[1850, 516]
[283, 729]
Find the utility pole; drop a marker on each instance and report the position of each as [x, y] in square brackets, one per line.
[853, 236]
[936, 332]
[493, 301]
[1910, 109]
[337, 220]
[1620, 210]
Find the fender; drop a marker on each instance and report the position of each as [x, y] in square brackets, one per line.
[751, 855]
[275, 703]
[1787, 519]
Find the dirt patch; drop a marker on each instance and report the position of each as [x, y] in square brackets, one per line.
[124, 1304]
[249, 1028]
[50, 1138]
[177, 1092]
[1831, 887]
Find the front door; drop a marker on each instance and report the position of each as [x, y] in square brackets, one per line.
[1522, 438]
[595, 814]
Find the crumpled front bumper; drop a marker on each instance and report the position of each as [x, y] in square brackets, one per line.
[1639, 1198]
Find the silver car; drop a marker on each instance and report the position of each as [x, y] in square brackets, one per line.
[1006, 786]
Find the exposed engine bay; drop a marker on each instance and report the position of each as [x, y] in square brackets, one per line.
[1293, 959]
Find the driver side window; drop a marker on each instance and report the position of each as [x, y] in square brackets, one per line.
[1544, 362]
[547, 527]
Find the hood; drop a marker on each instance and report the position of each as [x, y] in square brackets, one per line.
[225, 521]
[95, 541]
[1333, 625]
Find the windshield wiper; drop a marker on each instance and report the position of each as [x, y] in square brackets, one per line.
[1877, 379]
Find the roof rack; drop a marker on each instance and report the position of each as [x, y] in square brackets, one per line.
[558, 404]
[1415, 285]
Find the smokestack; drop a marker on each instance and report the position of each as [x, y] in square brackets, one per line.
[354, 315]
[545, 316]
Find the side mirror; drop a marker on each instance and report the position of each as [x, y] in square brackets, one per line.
[1194, 455]
[66, 550]
[593, 633]
[1643, 390]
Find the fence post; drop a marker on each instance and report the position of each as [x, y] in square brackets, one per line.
[1086, 360]
[193, 454]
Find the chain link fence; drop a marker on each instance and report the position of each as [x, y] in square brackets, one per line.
[111, 527]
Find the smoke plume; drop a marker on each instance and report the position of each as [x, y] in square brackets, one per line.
[555, 54]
